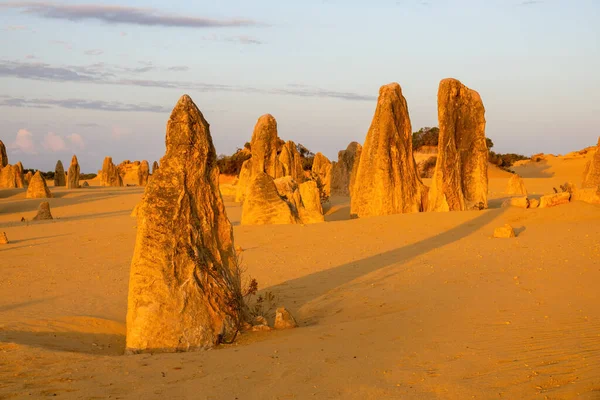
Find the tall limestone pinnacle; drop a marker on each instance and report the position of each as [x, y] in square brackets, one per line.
[460, 180]
[184, 287]
[3, 156]
[73, 174]
[387, 181]
[60, 179]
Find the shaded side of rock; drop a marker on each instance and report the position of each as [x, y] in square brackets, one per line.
[43, 212]
[73, 174]
[284, 320]
[243, 180]
[291, 162]
[343, 172]
[321, 169]
[184, 287]
[28, 177]
[19, 176]
[3, 155]
[460, 180]
[143, 173]
[387, 181]
[60, 179]
[154, 166]
[110, 174]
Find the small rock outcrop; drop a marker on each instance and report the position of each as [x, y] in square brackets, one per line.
[283, 319]
[321, 169]
[73, 175]
[143, 173]
[520, 202]
[587, 195]
[556, 199]
[60, 179]
[387, 181]
[110, 174]
[19, 176]
[37, 188]
[43, 212]
[505, 231]
[154, 167]
[3, 237]
[3, 155]
[85, 184]
[184, 287]
[343, 172]
[516, 186]
[591, 175]
[534, 203]
[264, 206]
[460, 180]
[311, 211]
[243, 180]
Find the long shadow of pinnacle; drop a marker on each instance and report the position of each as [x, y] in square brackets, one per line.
[317, 284]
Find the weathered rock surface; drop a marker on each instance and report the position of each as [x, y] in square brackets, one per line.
[143, 173]
[311, 211]
[505, 231]
[37, 188]
[587, 195]
[3, 155]
[264, 146]
[9, 177]
[321, 169]
[243, 180]
[516, 186]
[19, 176]
[43, 212]
[534, 203]
[291, 162]
[184, 288]
[521, 202]
[591, 175]
[426, 168]
[568, 187]
[283, 319]
[73, 175]
[28, 177]
[460, 180]
[387, 181]
[343, 172]
[110, 174]
[556, 199]
[263, 204]
[60, 179]
[154, 166]
[3, 237]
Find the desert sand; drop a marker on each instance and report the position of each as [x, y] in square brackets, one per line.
[419, 306]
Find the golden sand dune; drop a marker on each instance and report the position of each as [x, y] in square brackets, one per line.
[425, 306]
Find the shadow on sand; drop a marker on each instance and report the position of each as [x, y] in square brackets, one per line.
[105, 344]
[312, 286]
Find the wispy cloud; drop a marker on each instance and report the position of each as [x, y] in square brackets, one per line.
[93, 52]
[89, 125]
[98, 105]
[531, 2]
[100, 73]
[64, 44]
[243, 39]
[179, 68]
[122, 15]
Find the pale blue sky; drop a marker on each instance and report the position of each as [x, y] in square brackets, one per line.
[316, 65]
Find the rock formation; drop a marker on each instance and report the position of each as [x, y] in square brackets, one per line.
[28, 177]
[587, 195]
[243, 180]
[311, 210]
[143, 173]
[8, 177]
[321, 169]
[110, 173]
[505, 231]
[460, 180]
[37, 188]
[184, 288]
[264, 206]
[343, 172]
[283, 319]
[3, 237]
[516, 186]
[60, 179]
[264, 146]
[591, 175]
[154, 167]
[556, 199]
[521, 202]
[19, 177]
[3, 156]
[291, 162]
[85, 184]
[387, 181]
[73, 175]
[426, 168]
[43, 212]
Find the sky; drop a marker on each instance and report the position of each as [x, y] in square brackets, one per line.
[100, 79]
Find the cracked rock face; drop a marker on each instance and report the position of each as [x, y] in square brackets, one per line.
[184, 287]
